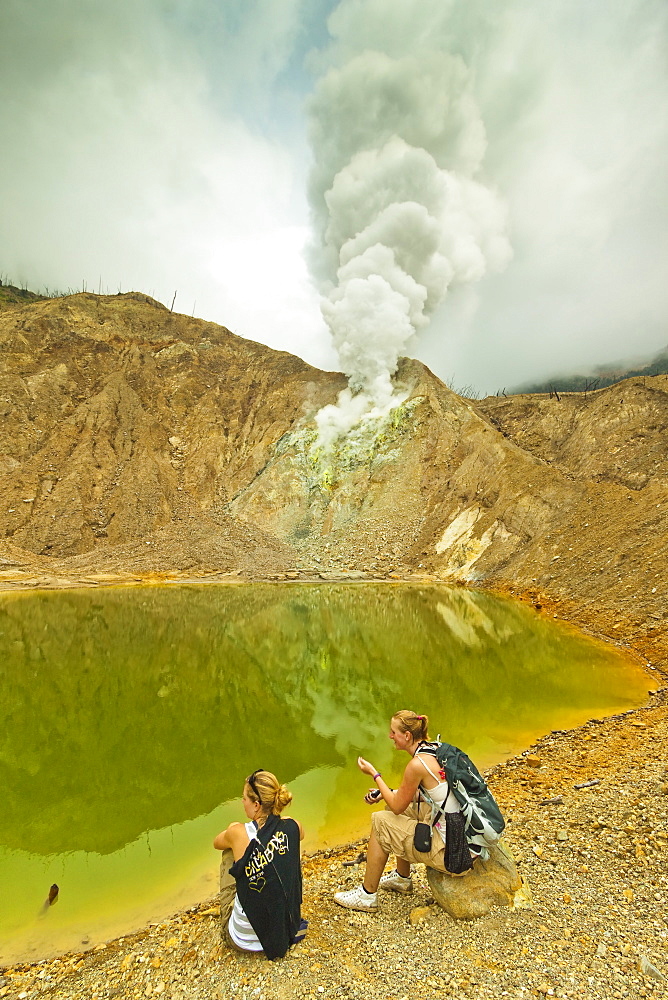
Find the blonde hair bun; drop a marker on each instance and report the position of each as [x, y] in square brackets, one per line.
[283, 798]
[273, 796]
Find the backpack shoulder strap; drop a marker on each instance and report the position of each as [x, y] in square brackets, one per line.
[426, 766]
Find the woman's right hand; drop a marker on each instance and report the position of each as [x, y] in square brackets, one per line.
[372, 796]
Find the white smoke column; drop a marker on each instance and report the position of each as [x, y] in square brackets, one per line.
[401, 213]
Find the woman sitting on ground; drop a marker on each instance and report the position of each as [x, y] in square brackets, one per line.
[261, 892]
[392, 830]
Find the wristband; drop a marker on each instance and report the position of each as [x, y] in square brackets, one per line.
[376, 776]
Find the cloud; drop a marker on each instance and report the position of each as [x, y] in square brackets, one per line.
[558, 113]
[127, 164]
[574, 102]
[162, 146]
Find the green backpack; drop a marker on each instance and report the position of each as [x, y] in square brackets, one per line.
[484, 822]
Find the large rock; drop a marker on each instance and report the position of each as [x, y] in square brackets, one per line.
[494, 882]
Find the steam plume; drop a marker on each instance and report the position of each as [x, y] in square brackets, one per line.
[401, 213]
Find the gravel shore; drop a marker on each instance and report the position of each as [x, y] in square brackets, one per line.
[594, 859]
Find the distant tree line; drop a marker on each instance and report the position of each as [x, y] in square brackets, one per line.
[597, 380]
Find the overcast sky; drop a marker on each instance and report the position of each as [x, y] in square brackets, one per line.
[496, 168]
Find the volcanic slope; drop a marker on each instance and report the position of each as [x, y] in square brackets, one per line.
[136, 442]
[126, 430]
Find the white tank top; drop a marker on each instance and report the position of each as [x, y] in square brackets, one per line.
[239, 925]
[440, 795]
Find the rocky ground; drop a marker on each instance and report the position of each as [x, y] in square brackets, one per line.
[594, 858]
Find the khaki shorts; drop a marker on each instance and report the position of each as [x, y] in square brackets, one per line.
[395, 835]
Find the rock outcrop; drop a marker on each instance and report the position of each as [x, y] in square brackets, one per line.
[490, 883]
[126, 429]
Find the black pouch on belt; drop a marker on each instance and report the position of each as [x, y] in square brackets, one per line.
[422, 833]
[422, 838]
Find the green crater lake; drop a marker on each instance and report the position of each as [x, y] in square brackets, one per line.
[130, 717]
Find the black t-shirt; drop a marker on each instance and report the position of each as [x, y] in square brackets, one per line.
[269, 884]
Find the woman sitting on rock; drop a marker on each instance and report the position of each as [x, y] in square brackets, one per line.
[260, 872]
[393, 830]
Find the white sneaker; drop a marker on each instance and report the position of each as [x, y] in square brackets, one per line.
[395, 882]
[357, 899]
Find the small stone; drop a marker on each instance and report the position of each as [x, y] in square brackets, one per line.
[601, 950]
[523, 899]
[418, 914]
[562, 835]
[628, 894]
[650, 970]
[533, 760]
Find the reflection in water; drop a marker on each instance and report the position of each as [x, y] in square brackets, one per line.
[128, 711]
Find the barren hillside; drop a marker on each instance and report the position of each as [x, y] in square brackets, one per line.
[135, 442]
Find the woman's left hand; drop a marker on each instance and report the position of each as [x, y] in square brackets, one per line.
[365, 767]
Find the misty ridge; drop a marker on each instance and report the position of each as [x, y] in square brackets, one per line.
[599, 377]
